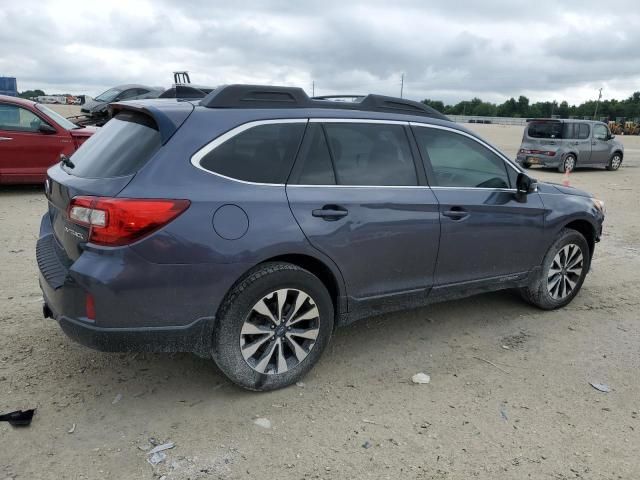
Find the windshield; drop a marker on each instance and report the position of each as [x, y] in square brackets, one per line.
[56, 117]
[545, 130]
[109, 95]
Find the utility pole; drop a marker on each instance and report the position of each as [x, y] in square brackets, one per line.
[597, 103]
[313, 88]
[401, 85]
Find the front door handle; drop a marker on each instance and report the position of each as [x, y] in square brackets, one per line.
[5, 139]
[330, 212]
[456, 213]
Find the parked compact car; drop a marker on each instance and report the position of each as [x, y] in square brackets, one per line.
[569, 144]
[98, 106]
[32, 138]
[247, 225]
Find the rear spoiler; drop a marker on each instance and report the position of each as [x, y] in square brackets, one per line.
[168, 115]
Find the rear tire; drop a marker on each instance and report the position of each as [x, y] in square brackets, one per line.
[568, 164]
[272, 327]
[562, 272]
[614, 162]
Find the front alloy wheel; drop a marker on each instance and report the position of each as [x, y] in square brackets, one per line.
[280, 331]
[565, 271]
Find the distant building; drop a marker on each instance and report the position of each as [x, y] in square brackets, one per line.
[8, 86]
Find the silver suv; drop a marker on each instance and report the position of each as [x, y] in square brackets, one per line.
[568, 144]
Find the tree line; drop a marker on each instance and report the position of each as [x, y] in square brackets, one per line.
[612, 109]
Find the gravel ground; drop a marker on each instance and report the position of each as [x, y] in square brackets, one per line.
[509, 395]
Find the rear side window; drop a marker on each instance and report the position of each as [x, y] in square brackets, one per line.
[119, 148]
[314, 162]
[583, 132]
[371, 154]
[261, 154]
[458, 161]
[545, 130]
[570, 131]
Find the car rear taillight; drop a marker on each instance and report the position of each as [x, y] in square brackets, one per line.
[120, 221]
[548, 153]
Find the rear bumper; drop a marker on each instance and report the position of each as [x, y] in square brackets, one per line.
[139, 305]
[539, 160]
[148, 339]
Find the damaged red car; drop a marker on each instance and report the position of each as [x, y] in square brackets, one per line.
[32, 138]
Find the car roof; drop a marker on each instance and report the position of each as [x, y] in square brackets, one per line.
[17, 100]
[563, 120]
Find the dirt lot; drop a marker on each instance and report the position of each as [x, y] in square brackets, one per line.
[530, 413]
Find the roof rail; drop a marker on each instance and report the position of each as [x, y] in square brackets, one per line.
[265, 96]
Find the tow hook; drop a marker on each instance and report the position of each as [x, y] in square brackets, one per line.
[46, 311]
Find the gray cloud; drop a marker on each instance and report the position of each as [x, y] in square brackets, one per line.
[447, 50]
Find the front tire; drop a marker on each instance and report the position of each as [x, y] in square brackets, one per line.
[273, 327]
[614, 162]
[562, 272]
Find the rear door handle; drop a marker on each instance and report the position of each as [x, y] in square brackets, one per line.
[5, 139]
[456, 213]
[330, 212]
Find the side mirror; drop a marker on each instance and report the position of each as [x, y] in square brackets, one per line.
[611, 136]
[525, 184]
[46, 129]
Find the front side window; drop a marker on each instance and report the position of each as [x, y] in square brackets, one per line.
[459, 161]
[18, 119]
[261, 154]
[600, 132]
[370, 154]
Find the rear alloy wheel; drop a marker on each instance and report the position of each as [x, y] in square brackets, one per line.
[562, 272]
[280, 331]
[272, 327]
[614, 162]
[568, 164]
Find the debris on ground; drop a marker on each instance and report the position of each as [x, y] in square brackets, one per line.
[117, 398]
[367, 444]
[300, 384]
[18, 418]
[160, 448]
[601, 387]
[421, 378]
[157, 458]
[263, 422]
[72, 429]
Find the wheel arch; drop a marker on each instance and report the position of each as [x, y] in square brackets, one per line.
[330, 279]
[588, 231]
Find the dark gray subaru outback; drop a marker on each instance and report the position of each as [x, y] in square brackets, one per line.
[247, 225]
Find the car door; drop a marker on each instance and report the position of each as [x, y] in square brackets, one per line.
[25, 151]
[600, 145]
[582, 142]
[486, 232]
[356, 194]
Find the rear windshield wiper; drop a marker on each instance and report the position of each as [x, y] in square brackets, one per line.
[66, 161]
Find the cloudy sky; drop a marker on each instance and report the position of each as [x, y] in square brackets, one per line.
[545, 49]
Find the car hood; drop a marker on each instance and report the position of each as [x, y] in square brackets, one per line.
[550, 187]
[94, 105]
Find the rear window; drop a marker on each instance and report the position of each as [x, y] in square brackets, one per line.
[261, 154]
[119, 148]
[545, 130]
